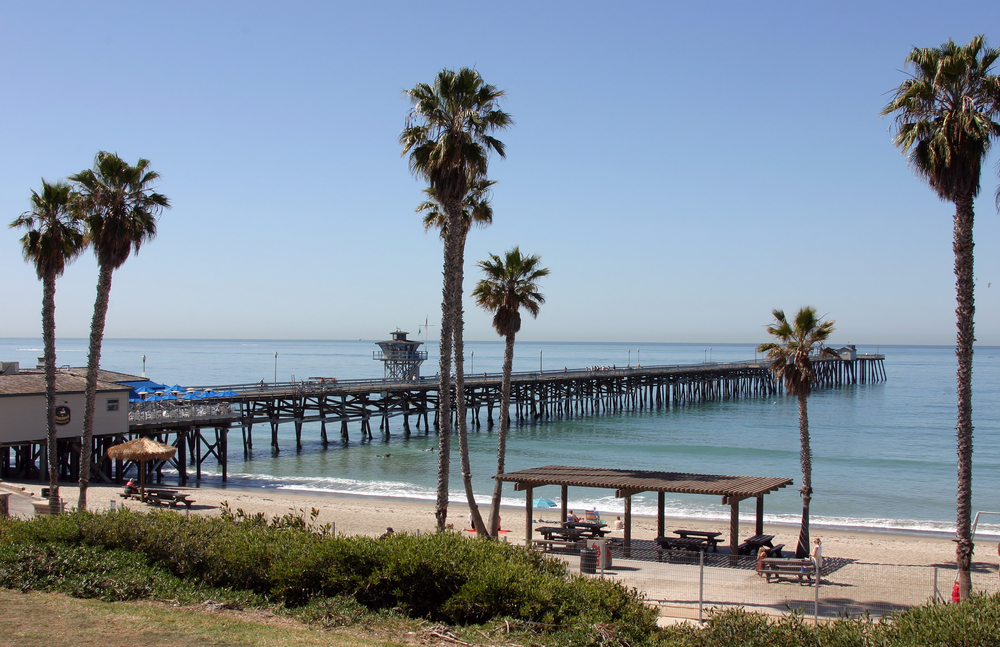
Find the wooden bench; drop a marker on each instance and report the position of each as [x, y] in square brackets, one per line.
[753, 544]
[712, 538]
[548, 544]
[181, 498]
[676, 555]
[167, 498]
[775, 569]
[774, 552]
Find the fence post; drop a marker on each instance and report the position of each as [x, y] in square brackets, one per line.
[701, 584]
[934, 592]
[816, 594]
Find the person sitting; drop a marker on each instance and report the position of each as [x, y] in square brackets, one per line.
[619, 524]
[572, 518]
[130, 488]
[761, 556]
[388, 532]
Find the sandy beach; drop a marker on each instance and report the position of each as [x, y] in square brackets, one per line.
[372, 515]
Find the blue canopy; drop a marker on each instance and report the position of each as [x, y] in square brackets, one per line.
[148, 386]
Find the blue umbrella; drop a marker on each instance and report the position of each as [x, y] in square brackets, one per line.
[544, 503]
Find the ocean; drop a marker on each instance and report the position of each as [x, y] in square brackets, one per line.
[883, 454]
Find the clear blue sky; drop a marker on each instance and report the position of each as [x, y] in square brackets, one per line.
[682, 168]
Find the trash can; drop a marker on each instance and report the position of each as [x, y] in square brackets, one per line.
[603, 552]
[588, 560]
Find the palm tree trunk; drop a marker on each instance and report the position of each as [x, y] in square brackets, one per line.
[444, 374]
[93, 364]
[508, 363]
[49, 341]
[965, 314]
[805, 457]
[460, 413]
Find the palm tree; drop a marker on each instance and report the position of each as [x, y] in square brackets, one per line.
[476, 212]
[511, 284]
[789, 357]
[54, 238]
[448, 137]
[946, 120]
[476, 209]
[120, 208]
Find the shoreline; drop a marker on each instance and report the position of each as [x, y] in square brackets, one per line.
[371, 515]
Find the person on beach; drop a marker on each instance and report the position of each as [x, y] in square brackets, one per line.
[761, 556]
[619, 524]
[130, 488]
[388, 532]
[571, 518]
[817, 554]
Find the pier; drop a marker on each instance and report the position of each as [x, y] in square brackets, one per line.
[199, 428]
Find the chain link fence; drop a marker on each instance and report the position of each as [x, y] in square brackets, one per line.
[692, 584]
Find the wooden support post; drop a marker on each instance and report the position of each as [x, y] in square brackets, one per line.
[528, 530]
[734, 529]
[182, 455]
[224, 453]
[274, 435]
[660, 504]
[298, 434]
[197, 452]
[565, 504]
[627, 545]
[760, 515]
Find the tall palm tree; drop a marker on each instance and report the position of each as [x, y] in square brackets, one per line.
[448, 136]
[120, 208]
[946, 120]
[476, 212]
[511, 284]
[54, 238]
[790, 363]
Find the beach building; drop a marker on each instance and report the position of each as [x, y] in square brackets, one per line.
[22, 404]
[22, 416]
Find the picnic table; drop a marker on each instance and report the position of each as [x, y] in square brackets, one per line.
[775, 570]
[753, 544]
[712, 538]
[590, 530]
[682, 543]
[170, 498]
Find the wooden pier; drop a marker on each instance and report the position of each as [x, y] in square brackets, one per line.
[199, 429]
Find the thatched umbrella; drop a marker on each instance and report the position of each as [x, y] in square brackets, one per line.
[142, 450]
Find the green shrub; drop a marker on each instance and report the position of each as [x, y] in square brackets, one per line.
[442, 577]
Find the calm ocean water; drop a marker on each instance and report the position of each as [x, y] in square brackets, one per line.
[884, 454]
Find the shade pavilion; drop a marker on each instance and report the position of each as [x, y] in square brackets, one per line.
[627, 483]
[141, 450]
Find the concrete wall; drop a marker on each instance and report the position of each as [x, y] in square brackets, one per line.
[22, 417]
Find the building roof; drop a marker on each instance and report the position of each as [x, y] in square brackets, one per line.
[634, 481]
[32, 382]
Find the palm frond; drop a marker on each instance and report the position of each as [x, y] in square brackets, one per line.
[510, 285]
